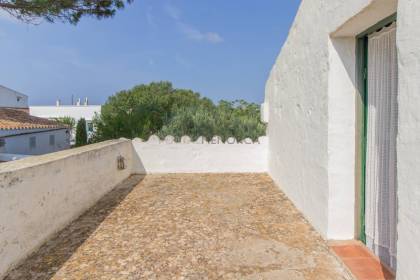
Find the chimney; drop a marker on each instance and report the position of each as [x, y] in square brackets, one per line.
[57, 103]
[78, 102]
[86, 101]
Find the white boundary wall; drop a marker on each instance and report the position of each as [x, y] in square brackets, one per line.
[166, 156]
[40, 195]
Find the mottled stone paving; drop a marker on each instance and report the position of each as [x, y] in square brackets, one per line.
[187, 226]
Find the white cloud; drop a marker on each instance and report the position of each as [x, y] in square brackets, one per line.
[194, 34]
[213, 37]
[191, 31]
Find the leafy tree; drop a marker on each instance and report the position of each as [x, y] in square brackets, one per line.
[62, 10]
[239, 119]
[192, 121]
[138, 112]
[158, 108]
[81, 135]
[67, 121]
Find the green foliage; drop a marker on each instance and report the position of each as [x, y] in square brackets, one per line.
[191, 121]
[158, 108]
[62, 10]
[138, 112]
[239, 119]
[81, 135]
[67, 121]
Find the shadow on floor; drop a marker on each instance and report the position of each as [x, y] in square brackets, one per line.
[46, 261]
[189, 226]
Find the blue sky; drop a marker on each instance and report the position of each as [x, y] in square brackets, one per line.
[222, 49]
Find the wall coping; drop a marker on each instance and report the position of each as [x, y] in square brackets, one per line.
[216, 140]
[51, 157]
[33, 161]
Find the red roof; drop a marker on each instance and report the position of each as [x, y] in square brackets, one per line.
[13, 119]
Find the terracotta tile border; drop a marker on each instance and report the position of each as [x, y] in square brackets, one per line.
[360, 261]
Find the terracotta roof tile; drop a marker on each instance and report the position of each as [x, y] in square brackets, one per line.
[12, 119]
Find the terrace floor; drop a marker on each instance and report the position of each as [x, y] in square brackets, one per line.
[187, 226]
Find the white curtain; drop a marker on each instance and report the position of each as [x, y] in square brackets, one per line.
[381, 184]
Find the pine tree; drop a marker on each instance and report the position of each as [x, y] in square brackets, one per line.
[81, 135]
[66, 11]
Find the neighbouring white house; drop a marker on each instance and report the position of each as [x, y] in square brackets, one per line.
[22, 134]
[342, 105]
[10, 98]
[76, 112]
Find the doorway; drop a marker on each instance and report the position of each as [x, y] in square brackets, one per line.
[377, 53]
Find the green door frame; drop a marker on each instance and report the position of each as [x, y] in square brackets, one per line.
[362, 51]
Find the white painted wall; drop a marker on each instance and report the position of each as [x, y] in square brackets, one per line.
[408, 141]
[41, 195]
[265, 112]
[341, 138]
[161, 157]
[76, 112]
[311, 131]
[19, 144]
[311, 95]
[12, 99]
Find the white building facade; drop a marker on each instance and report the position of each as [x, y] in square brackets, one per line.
[10, 98]
[33, 142]
[23, 135]
[76, 112]
[343, 124]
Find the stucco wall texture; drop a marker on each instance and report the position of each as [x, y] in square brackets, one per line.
[201, 158]
[408, 141]
[311, 94]
[40, 195]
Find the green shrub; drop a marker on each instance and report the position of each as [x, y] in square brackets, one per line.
[81, 135]
[158, 108]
